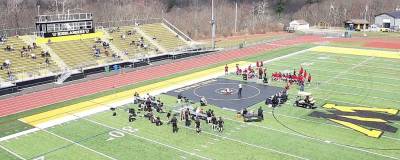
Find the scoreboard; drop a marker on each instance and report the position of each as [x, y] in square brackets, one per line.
[64, 24]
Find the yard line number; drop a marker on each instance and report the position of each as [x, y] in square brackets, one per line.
[118, 134]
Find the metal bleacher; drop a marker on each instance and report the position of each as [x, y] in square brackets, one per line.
[166, 38]
[79, 53]
[125, 44]
[24, 67]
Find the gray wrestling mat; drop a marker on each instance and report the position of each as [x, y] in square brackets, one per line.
[214, 91]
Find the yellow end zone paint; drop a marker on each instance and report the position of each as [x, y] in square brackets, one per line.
[40, 118]
[370, 133]
[365, 119]
[354, 109]
[355, 51]
[98, 34]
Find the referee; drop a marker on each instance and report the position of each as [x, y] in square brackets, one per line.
[240, 90]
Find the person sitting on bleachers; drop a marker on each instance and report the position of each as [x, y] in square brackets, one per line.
[34, 45]
[29, 48]
[47, 61]
[49, 41]
[2, 39]
[123, 36]
[126, 52]
[154, 38]
[33, 56]
[107, 53]
[23, 53]
[6, 64]
[98, 40]
[106, 45]
[42, 54]
[9, 48]
[129, 33]
[145, 46]
[132, 43]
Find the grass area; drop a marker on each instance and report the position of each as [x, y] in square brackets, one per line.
[292, 134]
[377, 34]
[10, 124]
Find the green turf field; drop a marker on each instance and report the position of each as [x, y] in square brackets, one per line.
[292, 134]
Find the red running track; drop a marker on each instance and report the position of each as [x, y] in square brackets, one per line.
[38, 99]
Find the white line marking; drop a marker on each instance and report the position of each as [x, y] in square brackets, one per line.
[102, 154]
[326, 124]
[144, 138]
[11, 152]
[198, 150]
[250, 144]
[312, 138]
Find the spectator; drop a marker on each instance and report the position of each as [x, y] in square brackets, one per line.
[6, 64]
[33, 56]
[34, 45]
[47, 61]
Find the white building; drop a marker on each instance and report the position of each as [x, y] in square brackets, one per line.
[299, 25]
[388, 20]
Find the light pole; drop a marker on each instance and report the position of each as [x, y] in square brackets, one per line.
[212, 25]
[236, 15]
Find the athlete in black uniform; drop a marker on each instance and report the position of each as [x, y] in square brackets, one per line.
[198, 129]
[214, 122]
[187, 117]
[174, 122]
[220, 124]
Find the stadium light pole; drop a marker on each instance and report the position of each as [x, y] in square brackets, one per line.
[212, 25]
[236, 15]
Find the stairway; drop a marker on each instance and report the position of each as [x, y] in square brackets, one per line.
[106, 38]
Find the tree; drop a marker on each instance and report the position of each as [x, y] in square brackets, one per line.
[280, 7]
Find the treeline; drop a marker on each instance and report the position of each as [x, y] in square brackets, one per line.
[193, 16]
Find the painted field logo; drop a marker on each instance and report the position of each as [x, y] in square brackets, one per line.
[369, 121]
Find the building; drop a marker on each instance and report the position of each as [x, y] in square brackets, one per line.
[356, 24]
[299, 25]
[388, 20]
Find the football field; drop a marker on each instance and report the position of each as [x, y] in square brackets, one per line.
[363, 86]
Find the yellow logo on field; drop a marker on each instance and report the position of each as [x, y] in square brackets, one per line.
[369, 121]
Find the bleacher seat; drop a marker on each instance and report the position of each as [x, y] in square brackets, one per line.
[124, 44]
[166, 38]
[79, 53]
[24, 67]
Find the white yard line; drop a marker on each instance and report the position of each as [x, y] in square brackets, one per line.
[345, 71]
[97, 152]
[322, 70]
[147, 139]
[320, 140]
[333, 61]
[326, 124]
[354, 94]
[249, 144]
[11, 152]
[351, 57]
[337, 84]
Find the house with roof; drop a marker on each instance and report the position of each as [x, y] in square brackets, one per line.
[299, 24]
[388, 20]
[356, 24]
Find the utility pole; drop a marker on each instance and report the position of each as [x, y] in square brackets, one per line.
[212, 25]
[236, 15]
[57, 7]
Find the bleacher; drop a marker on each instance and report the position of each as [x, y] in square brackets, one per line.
[166, 38]
[125, 44]
[76, 51]
[80, 53]
[24, 67]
